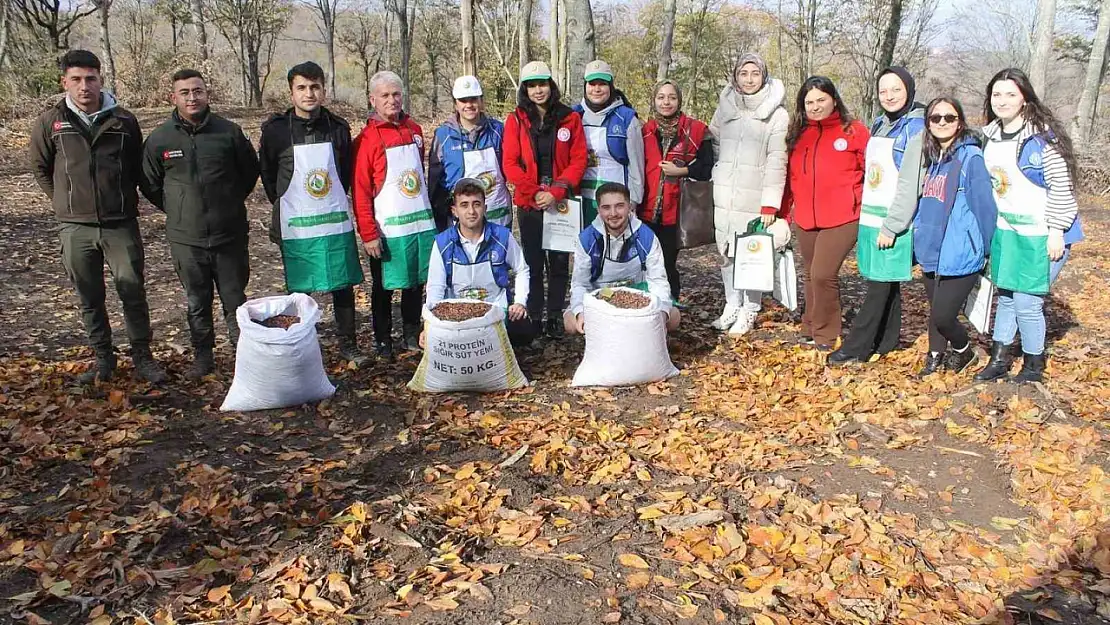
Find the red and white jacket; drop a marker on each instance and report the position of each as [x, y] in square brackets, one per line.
[824, 178]
[519, 161]
[370, 164]
[686, 148]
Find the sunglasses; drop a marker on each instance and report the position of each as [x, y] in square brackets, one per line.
[948, 119]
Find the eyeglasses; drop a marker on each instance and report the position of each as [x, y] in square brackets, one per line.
[948, 119]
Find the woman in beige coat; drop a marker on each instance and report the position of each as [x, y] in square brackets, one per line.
[749, 139]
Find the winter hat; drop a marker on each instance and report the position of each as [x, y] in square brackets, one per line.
[466, 87]
[754, 59]
[904, 75]
[536, 70]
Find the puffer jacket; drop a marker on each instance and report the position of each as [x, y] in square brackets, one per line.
[749, 137]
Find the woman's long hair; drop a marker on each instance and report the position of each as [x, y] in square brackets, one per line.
[1038, 115]
[931, 147]
[799, 120]
[529, 107]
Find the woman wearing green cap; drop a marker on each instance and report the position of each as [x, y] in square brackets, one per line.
[614, 138]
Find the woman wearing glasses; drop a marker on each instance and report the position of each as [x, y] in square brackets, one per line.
[1032, 163]
[952, 230]
[890, 192]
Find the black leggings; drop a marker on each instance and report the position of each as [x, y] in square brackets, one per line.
[947, 296]
[556, 264]
[668, 243]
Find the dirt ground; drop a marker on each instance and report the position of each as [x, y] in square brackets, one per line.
[756, 487]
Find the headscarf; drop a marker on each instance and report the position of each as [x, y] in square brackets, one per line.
[755, 59]
[668, 126]
[904, 75]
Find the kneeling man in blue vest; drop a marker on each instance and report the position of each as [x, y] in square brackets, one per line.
[478, 259]
[617, 249]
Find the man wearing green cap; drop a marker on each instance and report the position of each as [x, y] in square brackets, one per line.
[614, 138]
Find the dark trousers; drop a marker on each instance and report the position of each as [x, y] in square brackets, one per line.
[878, 323]
[85, 249]
[823, 251]
[343, 301]
[556, 265]
[381, 305]
[225, 267]
[947, 296]
[668, 243]
[521, 333]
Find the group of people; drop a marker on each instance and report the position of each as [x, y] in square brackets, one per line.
[919, 187]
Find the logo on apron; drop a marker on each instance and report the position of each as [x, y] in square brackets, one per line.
[591, 159]
[317, 183]
[1000, 181]
[875, 176]
[754, 245]
[409, 183]
[477, 293]
[487, 180]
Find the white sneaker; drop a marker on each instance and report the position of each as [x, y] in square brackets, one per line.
[727, 318]
[744, 323]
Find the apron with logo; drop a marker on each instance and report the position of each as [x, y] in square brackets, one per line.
[318, 245]
[628, 274]
[405, 220]
[601, 167]
[475, 281]
[1019, 251]
[894, 264]
[485, 166]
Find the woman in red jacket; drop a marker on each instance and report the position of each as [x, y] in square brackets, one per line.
[824, 189]
[674, 148]
[544, 159]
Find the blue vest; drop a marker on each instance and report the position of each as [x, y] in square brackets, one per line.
[616, 130]
[454, 142]
[903, 130]
[639, 245]
[1031, 163]
[494, 250]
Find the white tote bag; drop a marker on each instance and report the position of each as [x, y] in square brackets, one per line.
[753, 267]
[786, 280]
[977, 308]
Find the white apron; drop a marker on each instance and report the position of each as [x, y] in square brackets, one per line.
[484, 165]
[404, 217]
[318, 243]
[601, 167]
[630, 274]
[476, 281]
[1019, 250]
[894, 264]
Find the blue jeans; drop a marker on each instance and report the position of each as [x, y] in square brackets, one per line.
[1025, 313]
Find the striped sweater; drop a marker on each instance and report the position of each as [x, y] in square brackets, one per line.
[1061, 207]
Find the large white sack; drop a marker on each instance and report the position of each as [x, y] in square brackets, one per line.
[624, 346]
[472, 355]
[275, 368]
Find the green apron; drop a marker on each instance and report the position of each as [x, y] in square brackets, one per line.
[894, 264]
[1019, 252]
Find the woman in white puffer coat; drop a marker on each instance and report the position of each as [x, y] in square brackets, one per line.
[749, 139]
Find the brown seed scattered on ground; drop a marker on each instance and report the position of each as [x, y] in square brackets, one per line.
[278, 321]
[459, 311]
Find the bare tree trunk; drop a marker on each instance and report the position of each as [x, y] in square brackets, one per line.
[5, 27]
[695, 51]
[106, 43]
[1042, 44]
[886, 53]
[197, 7]
[524, 32]
[670, 7]
[1096, 71]
[553, 41]
[580, 50]
[470, 63]
[331, 59]
[811, 36]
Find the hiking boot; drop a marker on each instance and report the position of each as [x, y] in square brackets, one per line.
[203, 364]
[957, 362]
[103, 369]
[999, 365]
[839, 358]
[348, 350]
[554, 328]
[411, 337]
[384, 350]
[1032, 368]
[934, 362]
[146, 368]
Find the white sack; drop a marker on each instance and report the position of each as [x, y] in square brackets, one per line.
[624, 346]
[472, 355]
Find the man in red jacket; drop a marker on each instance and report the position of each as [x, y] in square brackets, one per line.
[544, 158]
[393, 212]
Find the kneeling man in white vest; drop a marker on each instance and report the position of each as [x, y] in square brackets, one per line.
[617, 249]
[477, 259]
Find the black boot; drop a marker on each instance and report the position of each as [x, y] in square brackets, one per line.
[554, 328]
[384, 349]
[957, 362]
[412, 337]
[103, 369]
[1032, 368]
[345, 327]
[840, 358]
[146, 368]
[933, 362]
[999, 366]
[203, 364]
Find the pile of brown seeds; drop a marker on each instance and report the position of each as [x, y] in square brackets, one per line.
[459, 311]
[278, 321]
[625, 299]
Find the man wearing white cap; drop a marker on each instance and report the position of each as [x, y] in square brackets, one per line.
[614, 137]
[468, 145]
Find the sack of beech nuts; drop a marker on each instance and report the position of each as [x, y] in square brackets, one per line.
[626, 339]
[277, 360]
[466, 348]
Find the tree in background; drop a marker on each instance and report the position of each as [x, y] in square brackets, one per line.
[359, 37]
[1094, 76]
[326, 12]
[251, 29]
[1043, 35]
[102, 8]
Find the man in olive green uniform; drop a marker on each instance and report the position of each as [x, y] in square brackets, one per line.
[86, 154]
[199, 168]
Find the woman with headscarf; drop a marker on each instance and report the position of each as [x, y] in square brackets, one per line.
[749, 136]
[884, 247]
[613, 138]
[674, 149]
